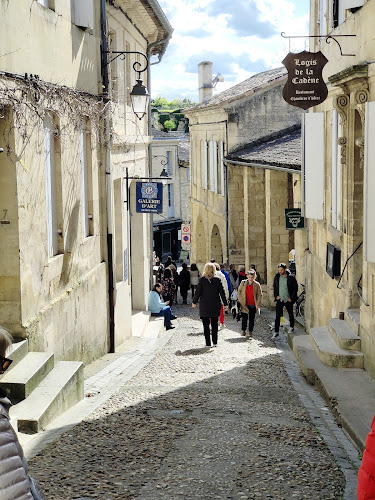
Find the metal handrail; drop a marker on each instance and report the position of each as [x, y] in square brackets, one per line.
[346, 263]
[359, 292]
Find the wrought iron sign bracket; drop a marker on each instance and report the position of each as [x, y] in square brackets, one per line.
[328, 39]
[122, 53]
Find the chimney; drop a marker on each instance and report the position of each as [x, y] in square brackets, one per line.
[205, 81]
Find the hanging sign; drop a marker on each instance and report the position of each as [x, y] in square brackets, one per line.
[149, 197]
[294, 219]
[305, 86]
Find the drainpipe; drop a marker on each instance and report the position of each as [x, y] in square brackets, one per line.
[107, 161]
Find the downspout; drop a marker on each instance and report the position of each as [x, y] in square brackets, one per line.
[107, 161]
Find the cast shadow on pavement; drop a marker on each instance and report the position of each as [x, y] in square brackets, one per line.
[237, 340]
[194, 352]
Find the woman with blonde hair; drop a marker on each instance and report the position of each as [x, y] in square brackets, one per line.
[209, 292]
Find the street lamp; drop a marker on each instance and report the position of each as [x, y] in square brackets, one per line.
[140, 99]
[140, 96]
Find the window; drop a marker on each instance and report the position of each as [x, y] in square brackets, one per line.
[53, 182]
[166, 243]
[332, 13]
[86, 180]
[336, 171]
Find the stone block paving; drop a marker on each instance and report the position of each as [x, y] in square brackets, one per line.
[223, 423]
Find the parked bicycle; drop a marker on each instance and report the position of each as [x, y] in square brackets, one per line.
[300, 302]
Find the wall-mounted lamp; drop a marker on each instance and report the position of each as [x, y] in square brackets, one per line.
[1, 150]
[139, 95]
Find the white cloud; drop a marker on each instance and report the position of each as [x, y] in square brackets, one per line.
[239, 42]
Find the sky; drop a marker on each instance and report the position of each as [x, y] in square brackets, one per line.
[240, 37]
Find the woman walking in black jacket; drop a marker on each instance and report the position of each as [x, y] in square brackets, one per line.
[209, 292]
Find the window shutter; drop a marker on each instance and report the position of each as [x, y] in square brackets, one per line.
[84, 198]
[204, 164]
[352, 4]
[49, 163]
[221, 160]
[369, 184]
[84, 13]
[322, 17]
[214, 167]
[314, 165]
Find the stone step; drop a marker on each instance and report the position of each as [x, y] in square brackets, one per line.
[21, 380]
[344, 335]
[350, 393]
[330, 353]
[154, 328]
[352, 317]
[62, 388]
[140, 320]
[18, 351]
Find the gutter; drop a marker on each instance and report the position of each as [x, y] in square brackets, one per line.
[264, 166]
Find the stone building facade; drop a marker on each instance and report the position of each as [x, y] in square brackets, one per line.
[340, 152]
[67, 132]
[170, 151]
[238, 202]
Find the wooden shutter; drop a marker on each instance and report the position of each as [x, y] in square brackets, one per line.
[369, 184]
[313, 165]
[204, 165]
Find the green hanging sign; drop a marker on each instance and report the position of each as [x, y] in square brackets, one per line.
[294, 219]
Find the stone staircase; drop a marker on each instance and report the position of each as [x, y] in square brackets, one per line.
[337, 345]
[330, 357]
[40, 388]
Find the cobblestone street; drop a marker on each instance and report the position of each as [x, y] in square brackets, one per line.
[224, 423]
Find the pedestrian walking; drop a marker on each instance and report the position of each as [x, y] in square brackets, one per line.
[194, 278]
[15, 482]
[224, 282]
[285, 288]
[210, 293]
[184, 282]
[249, 296]
[241, 274]
[226, 275]
[160, 308]
[233, 277]
[169, 286]
[174, 272]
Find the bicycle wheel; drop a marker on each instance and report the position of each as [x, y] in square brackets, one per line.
[301, 308]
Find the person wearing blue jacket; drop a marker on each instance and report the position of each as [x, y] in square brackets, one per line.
[160, 308]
